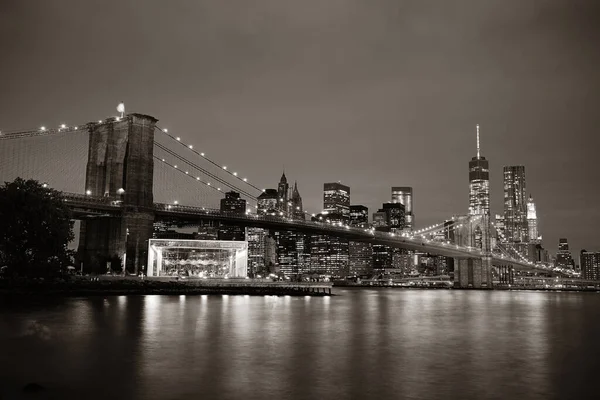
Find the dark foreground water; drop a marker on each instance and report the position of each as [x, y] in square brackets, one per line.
[363, 344]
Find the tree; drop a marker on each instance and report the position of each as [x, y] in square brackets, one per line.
[36, 229]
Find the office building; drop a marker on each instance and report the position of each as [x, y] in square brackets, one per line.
[336, 199]
[256, 238]
[404, 196]
[532, 225]
[563, 256]
[589, 262]
[268, 202]
[232, 204]
[395, 216]
[283, 204]
[515, 204]
[297, 208]
[360, 254]
[479, 184]
[359, 216]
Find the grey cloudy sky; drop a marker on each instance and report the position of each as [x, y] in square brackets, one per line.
[375, 93]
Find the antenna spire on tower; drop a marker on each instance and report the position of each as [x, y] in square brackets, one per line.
[478, 141]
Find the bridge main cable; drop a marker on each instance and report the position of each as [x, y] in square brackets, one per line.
[200, 154]
[202, 170]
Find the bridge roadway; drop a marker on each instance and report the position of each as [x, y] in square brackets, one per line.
[85, 206]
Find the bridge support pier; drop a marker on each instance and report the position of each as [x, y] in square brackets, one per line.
[472, 273]
[120, 168]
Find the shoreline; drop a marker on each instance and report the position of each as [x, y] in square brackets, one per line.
[126, 287]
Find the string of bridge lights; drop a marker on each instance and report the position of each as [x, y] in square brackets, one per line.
[191, 148]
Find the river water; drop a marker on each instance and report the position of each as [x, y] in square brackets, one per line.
[361, 344]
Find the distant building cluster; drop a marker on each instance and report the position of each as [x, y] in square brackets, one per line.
[298, 255]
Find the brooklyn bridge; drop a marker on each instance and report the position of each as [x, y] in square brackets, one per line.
[113, 171]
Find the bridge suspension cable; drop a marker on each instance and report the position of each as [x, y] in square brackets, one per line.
[202, 170]
[197, 179]
[190, 147]
[221, 167]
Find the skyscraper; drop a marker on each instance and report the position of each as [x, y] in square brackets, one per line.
[336, 199]
[404, 196]
[359, 216]
[293, 253]
[532, 226]
[282, 196]
[232, 204]
[268, 202]
[589, 262]
[515, 204]
[360, 254]
[563, 256]
[479, 184]
[396, 217]
[297, 209]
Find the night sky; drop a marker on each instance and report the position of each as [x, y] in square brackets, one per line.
[374, 93]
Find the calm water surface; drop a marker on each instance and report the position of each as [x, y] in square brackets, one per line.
[362, 344]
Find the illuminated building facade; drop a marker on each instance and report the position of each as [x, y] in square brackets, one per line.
[563, 256]
[359, 216]
[283, 196]
[197, 258]
[232, 204]
[404, 196]
[336, 199]
[267, 202]
[395, 216]
[515, 204]
[479, 184]
[360, 254]
[590, 265]
[532, 226]
[297, 209]
[293, 255]
[256, 238]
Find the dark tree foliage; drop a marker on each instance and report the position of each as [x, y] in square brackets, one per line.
[35, 229]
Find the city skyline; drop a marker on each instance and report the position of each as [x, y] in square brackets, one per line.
[392, 117]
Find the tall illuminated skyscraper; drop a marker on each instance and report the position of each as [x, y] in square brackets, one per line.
[404, 196]
[532, 226]
[515, 203]
[479, 184]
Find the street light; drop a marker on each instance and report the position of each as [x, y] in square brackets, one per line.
[88, 192]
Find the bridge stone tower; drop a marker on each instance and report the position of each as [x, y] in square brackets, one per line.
[120, 167]
[474, 231]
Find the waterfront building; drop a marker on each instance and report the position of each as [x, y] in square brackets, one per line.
[589, 262]
[256, 238]
[328, 255]
[479, 184]
[360, 254]
[404, 196]
[563, 256]
[515, 204]
[336, 199]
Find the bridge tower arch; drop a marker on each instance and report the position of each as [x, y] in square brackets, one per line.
[120, 167]
[474, 231]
